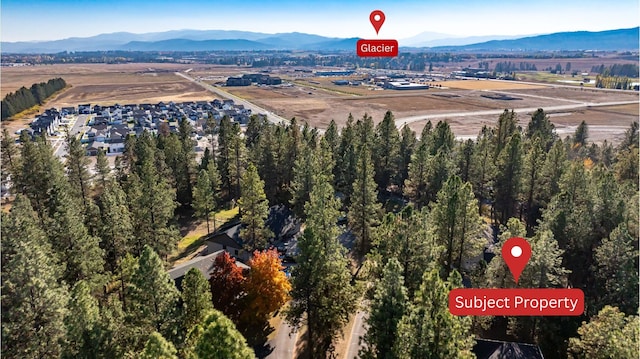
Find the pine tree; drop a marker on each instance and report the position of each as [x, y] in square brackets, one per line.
[416, 184]
[541, 127]
[33, 300]
[102, 169]
[389, 304]
[386, 152]
[254, 210]
[224, 152]
[508, 179]
[153, 297]
[464, 159]
[456, 224]
[581, 134]
[532, 168]
[441, 139]
[157, 347]
[405, 237]
[428, 330]
[9, 152]
[302, 180]
[610, 334]
[237, 161]
[218, 337]
[77, 249]
[323, 297]
[483, 166]
[552, 170]
[196, 298]
[83, 324]
[506, 128]
[117, 231]
[407, 144]
[346, 160]
[616, 272]
[364, 209]
[78, 170]
[204, 198]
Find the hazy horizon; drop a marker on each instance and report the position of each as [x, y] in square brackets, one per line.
[45, 20]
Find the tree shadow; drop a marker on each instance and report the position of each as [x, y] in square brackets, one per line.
[257, 337]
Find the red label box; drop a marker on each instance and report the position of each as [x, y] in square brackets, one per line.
[377, 48]
[516, 302]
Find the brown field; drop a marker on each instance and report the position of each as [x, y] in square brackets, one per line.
[487, 85]
[578, 64]
[108, 84]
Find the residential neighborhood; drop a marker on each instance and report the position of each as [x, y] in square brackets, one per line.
[109, 126]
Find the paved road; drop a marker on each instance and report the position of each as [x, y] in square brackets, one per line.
[284, 343]
[255, 109]
[59, 148]
[406, 120]
[357, 332]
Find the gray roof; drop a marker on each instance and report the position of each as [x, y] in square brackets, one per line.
[495, 349]
[204, 264]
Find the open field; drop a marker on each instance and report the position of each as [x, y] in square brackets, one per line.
[316, 100]
[108, 84]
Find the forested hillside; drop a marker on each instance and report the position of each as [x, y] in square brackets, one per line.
[84, 257]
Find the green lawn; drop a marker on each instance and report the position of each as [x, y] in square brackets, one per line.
[191, 241]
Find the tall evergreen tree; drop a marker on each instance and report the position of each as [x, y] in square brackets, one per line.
[346, 160]
[531, 178]
[76, 248]
[254, 210]
[204, 198]
[610, 334]
[616, 271]
[237, 161]
[83, 324]
[415, 186]
[386, 152]
[153, 297]
[505, 129]
[456, 224]
[388, 306]
[483, 166]
[364, 209]
[196, 298]
[117, 231]
[157, 347]
[10, 159]
[323, 297]
[581, 134]
[428, 330]
[508, 179]
[33, 300]
[102, 169]
[78, 170]
[218, 337]
[407, 144]
[541, 127]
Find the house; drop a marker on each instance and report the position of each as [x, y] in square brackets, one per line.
[238, 81]
[94, 147]
[495, 349]
[204, 264]
[228, 239]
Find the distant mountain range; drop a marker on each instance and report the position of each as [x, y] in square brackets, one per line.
[221, 40]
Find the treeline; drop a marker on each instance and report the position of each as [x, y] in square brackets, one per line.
[419, 208]
[508, 67]
[613, 82]
[628, 70]
[25, 98]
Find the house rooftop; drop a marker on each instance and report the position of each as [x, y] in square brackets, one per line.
[495, 349]
[204, 264]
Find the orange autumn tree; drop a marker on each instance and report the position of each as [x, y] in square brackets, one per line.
[266, 286]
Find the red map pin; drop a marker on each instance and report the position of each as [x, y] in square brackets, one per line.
[516, 252]
[377, 19]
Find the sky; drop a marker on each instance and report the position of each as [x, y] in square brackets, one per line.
[37, 20]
